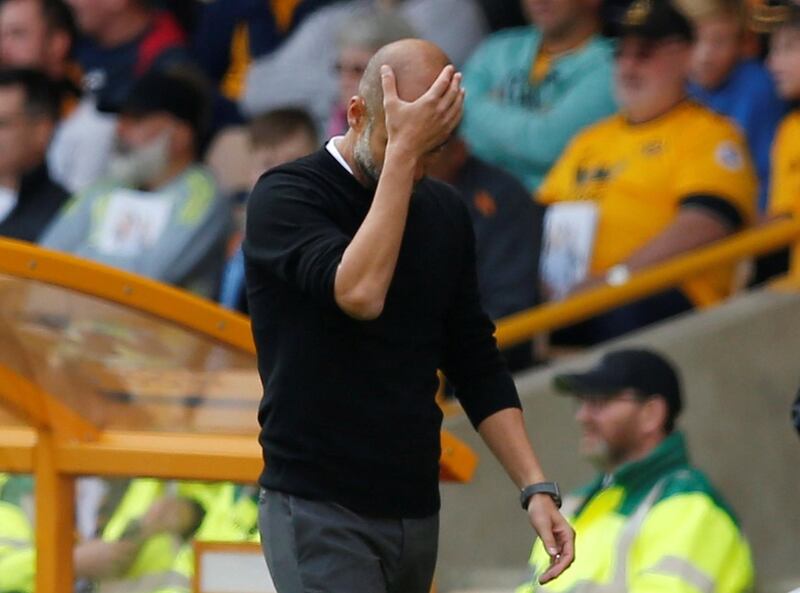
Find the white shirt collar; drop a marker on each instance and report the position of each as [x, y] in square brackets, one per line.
[331, 148]
[8, 201]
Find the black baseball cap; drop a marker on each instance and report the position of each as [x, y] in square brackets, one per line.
[768, 16]
[181, 95]
[644, 371]
[655, 20]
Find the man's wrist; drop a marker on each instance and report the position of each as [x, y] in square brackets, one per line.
[550, 489]
[402, 151]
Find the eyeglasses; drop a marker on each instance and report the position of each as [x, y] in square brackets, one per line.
[351, 69]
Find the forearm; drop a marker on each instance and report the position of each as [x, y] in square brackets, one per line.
[690, 231]
[98, 559]
[368, 264]
[504, 433]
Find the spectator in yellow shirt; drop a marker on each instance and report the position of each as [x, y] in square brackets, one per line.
[784, 63]
[665, 175]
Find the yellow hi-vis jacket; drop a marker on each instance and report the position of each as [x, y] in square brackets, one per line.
[165, 564]
[17, 551]
[654, 526]
[232, 516]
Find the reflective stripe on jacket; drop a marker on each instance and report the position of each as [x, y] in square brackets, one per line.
[17, 553]
[654, 526]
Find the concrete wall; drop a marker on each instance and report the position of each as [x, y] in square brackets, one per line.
[741, 368]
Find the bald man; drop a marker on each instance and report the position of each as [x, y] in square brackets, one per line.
[361, 283]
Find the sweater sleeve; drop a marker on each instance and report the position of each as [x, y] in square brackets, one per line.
[471, 359]
[535, 137]
[290, 235]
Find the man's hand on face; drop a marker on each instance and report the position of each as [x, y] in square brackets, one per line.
[557, 535]
[421, 126]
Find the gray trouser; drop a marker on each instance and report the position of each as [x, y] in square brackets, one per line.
[322, 547]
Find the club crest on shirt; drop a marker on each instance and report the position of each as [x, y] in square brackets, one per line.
[485, 204]
[729, 156]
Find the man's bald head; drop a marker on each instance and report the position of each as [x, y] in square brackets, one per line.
[416, 64]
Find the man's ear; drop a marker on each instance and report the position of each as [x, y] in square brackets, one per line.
[357, 113]
[42, 131]
[59, 46]
[182, 140]
[654, 415]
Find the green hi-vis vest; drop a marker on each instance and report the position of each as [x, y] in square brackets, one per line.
[654, 526]
[165, 564]
[232, 516]
[17, 552]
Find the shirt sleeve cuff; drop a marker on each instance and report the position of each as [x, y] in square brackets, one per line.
[487, 395]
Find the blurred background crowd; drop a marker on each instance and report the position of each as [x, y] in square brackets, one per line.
[599, 138]
[131, 132]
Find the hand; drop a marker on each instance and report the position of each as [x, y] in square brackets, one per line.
[425, 124]
[556, 534]
[170, 514]
[588, 283]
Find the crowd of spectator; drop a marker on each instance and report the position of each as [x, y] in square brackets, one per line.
[598, 138]
[140, 126]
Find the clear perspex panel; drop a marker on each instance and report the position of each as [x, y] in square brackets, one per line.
[122, 369]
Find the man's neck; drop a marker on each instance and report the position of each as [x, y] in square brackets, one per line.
[641, 451]
[125, 27]
[10, 182]
[643, 116]
[347, 148]
[569, 39]
[171, 172]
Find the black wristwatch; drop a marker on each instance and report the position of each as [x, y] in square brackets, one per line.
[549, 488]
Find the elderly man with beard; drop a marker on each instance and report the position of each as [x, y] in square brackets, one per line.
[651, 521]
[361, 283]
[662, 177]
[159, 213]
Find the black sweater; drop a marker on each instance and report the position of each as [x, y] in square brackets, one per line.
[348, 413]
[39, 201]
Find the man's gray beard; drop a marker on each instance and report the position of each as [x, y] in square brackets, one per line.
[363, 156]
[140, 166]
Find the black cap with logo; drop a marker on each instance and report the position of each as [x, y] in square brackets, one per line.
[655, 19]
[644, 371]
[768, 16]
[182, 95]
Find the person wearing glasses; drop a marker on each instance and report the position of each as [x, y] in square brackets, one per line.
[650, 521]
[662, 177]
[357, 42]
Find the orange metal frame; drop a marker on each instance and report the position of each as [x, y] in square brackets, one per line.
[56, 452]
[57, 445]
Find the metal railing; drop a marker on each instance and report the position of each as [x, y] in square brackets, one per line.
[523, 326]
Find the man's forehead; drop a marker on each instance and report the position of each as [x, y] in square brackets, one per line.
[413, 80]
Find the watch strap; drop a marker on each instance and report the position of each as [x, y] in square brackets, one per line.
[549, 488]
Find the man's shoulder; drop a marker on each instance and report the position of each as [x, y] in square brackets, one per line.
[306, 172]
[200, 196]
[440, 193]
[705, 121]
[483, 176]
[597, 53]
[692, 484]
[789, 129]
[753, 78]
[600, 131]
